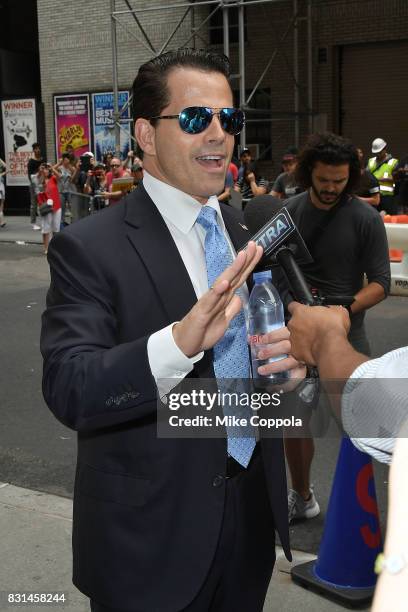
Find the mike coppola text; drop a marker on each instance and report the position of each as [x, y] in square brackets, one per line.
[232, 410]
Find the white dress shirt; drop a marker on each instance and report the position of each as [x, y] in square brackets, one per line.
[179, 211]
[379, 405]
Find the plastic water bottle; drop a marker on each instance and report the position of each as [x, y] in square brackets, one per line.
[264, 314]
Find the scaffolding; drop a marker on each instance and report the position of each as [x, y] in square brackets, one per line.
[190, 8]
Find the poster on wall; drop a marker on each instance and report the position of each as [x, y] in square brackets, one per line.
[20, 132]
[104, 127]
[72, 124]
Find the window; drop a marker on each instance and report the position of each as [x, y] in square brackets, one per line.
[216, 27]
[258, 124]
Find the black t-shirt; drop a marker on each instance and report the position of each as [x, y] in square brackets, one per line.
[368, 185]
[81, 179]
[286, 185]
[33, 165]
[95, 185]
[353, 242]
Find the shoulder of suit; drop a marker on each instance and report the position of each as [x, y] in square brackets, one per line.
[233, 218]
[97, 225]
[231, 213]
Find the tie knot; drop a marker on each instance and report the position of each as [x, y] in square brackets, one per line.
[207, 217]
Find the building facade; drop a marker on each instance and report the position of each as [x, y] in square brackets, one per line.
[359, 63]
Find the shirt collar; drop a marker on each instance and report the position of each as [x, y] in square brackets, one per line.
[176, 206]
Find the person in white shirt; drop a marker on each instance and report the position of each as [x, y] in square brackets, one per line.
[373, 392]
[373, 396]
[391, 593]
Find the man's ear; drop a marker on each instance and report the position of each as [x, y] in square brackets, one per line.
[145, 136]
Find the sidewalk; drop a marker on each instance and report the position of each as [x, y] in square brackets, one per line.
[19, 229]
[35, 532]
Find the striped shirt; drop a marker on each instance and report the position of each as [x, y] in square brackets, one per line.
[375, 404]
[246, 190]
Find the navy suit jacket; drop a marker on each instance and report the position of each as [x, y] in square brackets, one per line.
[147, 511]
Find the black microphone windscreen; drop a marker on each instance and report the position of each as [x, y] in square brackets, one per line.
[260, 210]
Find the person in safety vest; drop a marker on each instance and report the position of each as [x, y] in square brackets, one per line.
[382, 166]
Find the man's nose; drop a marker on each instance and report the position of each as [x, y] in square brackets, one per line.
[214, 132]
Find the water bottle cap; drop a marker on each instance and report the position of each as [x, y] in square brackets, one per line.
[262, 277]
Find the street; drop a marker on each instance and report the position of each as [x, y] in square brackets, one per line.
[37, 452]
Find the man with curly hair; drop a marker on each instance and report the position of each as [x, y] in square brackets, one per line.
[347, 240]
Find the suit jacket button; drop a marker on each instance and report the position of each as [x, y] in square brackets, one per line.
[218, 481]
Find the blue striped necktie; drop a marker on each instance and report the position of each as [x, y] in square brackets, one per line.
[231, 358]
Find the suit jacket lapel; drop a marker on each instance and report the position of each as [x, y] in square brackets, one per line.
[150, 237]
[236, 228]
[238, 232]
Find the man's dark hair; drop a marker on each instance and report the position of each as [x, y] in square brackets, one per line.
[330, 149]
[36, 145]
[66, 156]
[291, 151]
[149, 90]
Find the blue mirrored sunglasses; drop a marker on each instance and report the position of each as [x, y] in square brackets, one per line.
[196, 119]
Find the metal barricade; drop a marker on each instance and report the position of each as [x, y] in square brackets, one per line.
[397, 235]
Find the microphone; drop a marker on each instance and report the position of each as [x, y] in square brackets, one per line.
[274, 229]
[260, 210]
[276, 232]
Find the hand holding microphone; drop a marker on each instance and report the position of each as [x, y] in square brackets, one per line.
[310, 326]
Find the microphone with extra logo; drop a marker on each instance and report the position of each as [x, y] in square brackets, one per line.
[273, 228]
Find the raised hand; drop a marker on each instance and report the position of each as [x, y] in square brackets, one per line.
[210, 317]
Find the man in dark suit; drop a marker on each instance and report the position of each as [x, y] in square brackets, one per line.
[160, 524]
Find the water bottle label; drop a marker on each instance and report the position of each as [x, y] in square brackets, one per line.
[254, 339]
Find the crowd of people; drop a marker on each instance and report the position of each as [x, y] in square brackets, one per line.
[76, 187]
[86, 185]
[383, 184]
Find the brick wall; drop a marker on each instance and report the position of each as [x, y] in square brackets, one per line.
[344, 22]
[75, 50]
[75, 47]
